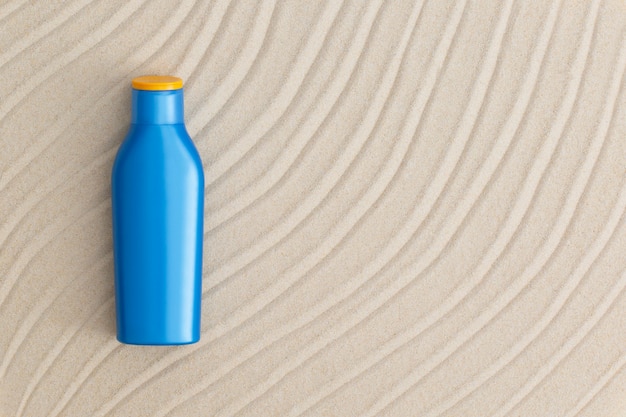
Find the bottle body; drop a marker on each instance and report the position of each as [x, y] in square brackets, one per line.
[158, 204]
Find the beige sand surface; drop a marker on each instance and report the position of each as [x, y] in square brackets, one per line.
[412, 208]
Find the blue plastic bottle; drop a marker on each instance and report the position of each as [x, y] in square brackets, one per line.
[158, 200]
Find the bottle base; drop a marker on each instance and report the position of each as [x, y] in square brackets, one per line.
[157, 342]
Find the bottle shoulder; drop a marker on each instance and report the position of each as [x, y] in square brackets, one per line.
[152, 146]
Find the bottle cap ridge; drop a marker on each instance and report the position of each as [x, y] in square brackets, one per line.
[157, 83]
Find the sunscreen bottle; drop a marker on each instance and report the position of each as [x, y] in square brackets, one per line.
[157, 205]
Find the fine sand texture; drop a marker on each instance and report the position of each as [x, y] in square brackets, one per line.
[413, 208]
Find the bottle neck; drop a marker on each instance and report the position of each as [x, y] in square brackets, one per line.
[157, 107]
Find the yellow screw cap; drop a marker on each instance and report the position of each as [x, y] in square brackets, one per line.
[157, 83]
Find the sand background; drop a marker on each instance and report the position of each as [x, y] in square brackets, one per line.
[412, 208]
